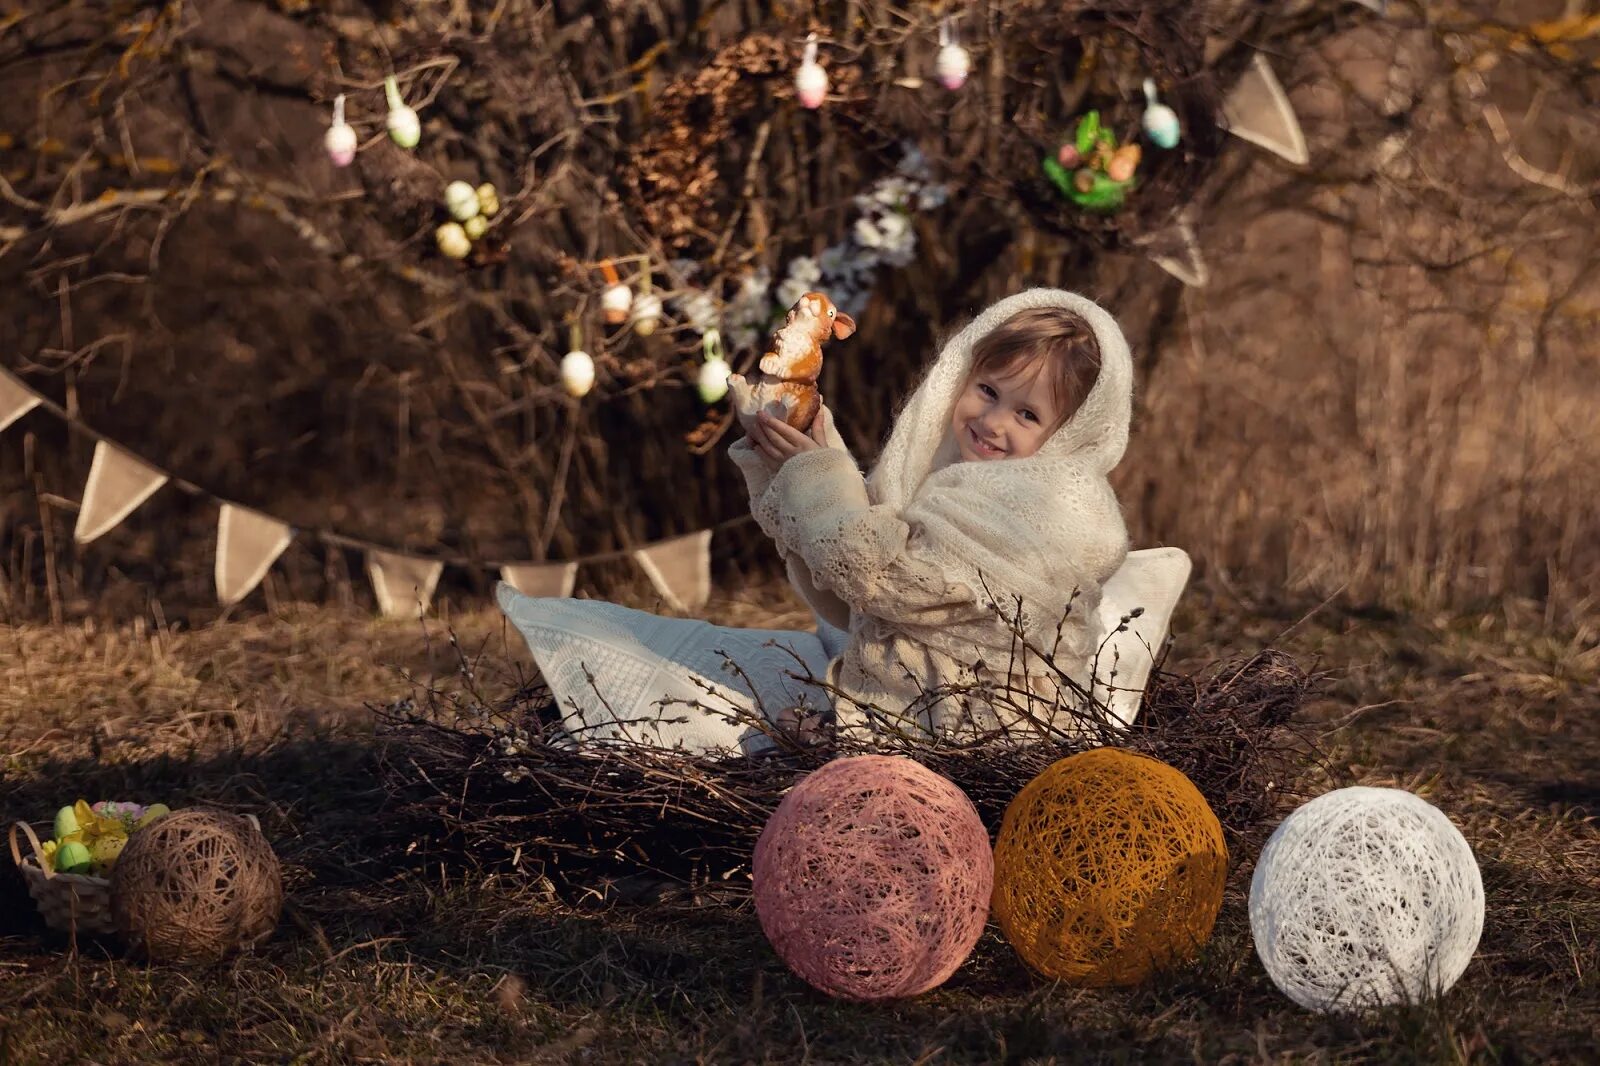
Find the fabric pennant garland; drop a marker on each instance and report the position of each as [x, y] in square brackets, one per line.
[1258, 111]
[680, 569]
[1176, 251]
[541, 579]
[16, 399]
[403, 583]
[118, 483]
[248, 543]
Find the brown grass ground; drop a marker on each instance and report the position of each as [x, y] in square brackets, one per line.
[1486, 717]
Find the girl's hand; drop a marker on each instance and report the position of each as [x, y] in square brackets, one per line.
[779, 441]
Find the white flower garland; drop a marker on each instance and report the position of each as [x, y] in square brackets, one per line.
[882, 236]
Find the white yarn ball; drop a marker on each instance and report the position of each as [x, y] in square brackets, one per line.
[1365, 897]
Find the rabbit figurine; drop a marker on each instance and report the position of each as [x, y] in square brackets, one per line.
[787, 384]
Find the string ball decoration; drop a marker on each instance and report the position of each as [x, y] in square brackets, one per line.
[1109, 865]
[872, 878]
[1365, 897]
[195, 886]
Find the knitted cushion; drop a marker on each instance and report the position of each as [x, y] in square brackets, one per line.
[1153, 579]
[638, 660]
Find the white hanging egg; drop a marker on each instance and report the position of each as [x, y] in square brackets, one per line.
[646, 313]
[713, 381]
[488, 200]
[577, 372]
[476, 226]
[952, 66]
[340, 140]
[1160, 121]
[405, 129]
[453, 240]
[811, 83]
[614, 304]
[461, 200]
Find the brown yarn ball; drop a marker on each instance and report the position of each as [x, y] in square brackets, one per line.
[195, 886]
[1109, 865]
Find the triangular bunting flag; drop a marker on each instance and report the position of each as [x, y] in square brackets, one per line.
[118, 482]
[248, 542]
[16, 399]
[541, 579]
[680, 569]
[1258, 111]
[1176, 251]
[403, 583]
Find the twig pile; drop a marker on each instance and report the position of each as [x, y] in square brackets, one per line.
[499, 785]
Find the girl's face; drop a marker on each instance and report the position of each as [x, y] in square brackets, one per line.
[1003, 415]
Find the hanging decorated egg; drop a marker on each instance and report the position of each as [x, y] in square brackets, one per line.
[405, 129]
[577, 372]
[488, 200]
[461, 200]
[1160, 121]
[453, 240]
[646, 313]
[811, 81]
[712, 381]
[952, 64]
[340, 140]
[1124, 161]
[617, 297]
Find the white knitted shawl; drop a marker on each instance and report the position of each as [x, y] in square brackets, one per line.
[1039, 527]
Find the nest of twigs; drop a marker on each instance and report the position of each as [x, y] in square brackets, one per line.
[496, 786]
[1078, 58]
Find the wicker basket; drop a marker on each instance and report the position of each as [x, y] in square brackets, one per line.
[67, 902]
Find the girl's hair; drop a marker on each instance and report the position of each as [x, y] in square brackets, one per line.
[1064, 339]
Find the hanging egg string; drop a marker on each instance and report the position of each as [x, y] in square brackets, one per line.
[811, 81]
[712, 379]
[340, 140]
[953, 64]
[398, 110]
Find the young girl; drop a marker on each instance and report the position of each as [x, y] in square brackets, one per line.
[992, 488]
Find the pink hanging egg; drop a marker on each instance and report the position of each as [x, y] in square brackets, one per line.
[952, 66]
[340, 142]
[811, 84]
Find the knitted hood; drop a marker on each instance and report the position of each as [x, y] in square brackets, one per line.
[1039, 527]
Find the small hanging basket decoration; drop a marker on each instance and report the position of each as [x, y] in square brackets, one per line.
[1079, 61]
[1091, 169]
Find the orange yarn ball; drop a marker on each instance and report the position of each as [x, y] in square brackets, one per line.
[1109, 865]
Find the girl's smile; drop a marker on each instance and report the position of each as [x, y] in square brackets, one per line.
[983, 447]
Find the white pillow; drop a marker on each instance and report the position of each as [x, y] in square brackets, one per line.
[1152, 578]
[638, 659]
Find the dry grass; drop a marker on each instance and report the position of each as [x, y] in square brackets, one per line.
[378, 961]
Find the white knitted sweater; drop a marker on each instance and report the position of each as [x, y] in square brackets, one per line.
[901, 558]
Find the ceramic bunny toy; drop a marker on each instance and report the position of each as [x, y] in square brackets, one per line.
[787, 383]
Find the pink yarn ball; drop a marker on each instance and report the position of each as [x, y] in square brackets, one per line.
[872, 878]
